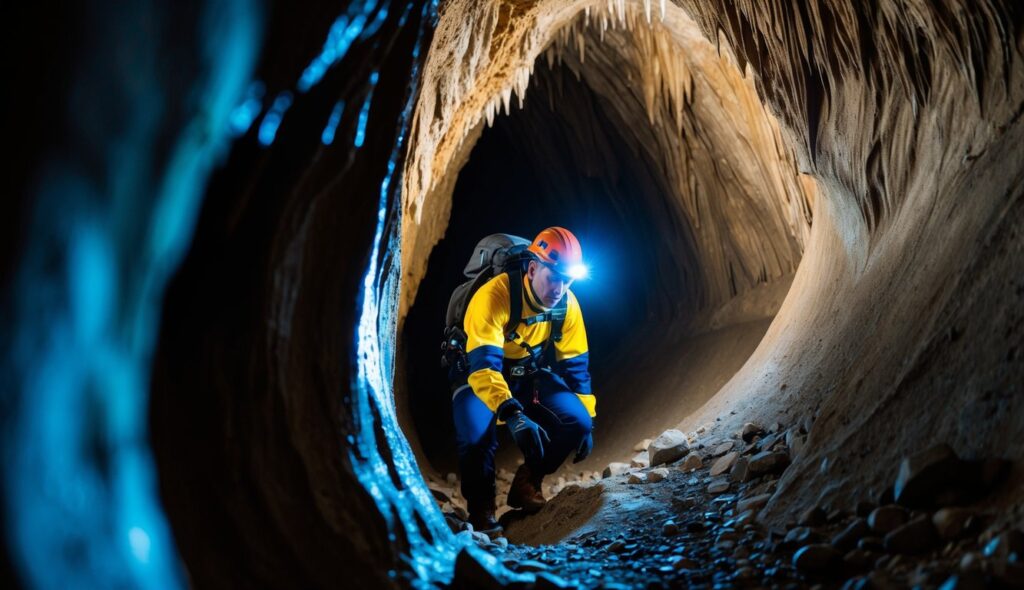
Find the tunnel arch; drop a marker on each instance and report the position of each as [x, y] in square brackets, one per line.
[718, 206]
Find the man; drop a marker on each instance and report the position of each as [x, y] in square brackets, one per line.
[535, 379]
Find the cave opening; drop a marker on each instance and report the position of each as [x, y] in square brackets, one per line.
[688, 206]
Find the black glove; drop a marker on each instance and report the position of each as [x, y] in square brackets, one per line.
[525, 432]
[586, 445]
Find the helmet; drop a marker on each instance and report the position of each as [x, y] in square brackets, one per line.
[560, 250]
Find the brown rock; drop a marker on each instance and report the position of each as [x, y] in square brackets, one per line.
[670, 528]
[740, 471]
[669, 446]
[723, 464]
[692, 462]
[753, 503]
[917, 536]
[723, 448]
[951, 522]
[768, 462]
[885, 519]
[750, 430]
[718, 487]
[657, 475]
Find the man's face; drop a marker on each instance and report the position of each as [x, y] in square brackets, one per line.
[549, 285]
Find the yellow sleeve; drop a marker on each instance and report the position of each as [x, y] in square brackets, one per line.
[486, 315]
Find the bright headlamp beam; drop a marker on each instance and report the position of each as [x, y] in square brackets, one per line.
[578, 271]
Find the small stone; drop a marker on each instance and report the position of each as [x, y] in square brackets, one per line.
[853, 533]
[617, 546]
[814, 516]
[615, 469]
[750, 430]
[928, 474]
[875, 544]
[917, 536]
[799, 536]
[530, 565]
[642, 445]
[723, 464]
[657, 475]
[951, 522]
[640, 460]
[684, 503]
[723, 448]
[817, 559]
[636, 478]
[670, 528]
[683, 563]
[885, 519]
[451, 478]
[692, 462]
[753, 503]
[970, 562]
[740, 471]
[669, 446]
[718, 486]
[769, 462]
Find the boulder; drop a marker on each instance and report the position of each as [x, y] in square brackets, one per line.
[669, 446]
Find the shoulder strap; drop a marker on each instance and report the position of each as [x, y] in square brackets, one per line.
[558, 319]
[515, 312]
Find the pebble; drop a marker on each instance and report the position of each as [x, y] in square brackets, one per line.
[451, 478]
[668, 447]
[723, 448]
[800, 536]
[885, 519]
[723, 464]
[670, 528]
[750, 430]
[951, 522]
[636, 478]
[615, 469]
[753, 503]
[718, 487]
[657, 475]
[692, 462]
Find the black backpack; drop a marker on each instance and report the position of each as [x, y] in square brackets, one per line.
[495, 254]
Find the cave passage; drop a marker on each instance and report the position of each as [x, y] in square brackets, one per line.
[568, 166]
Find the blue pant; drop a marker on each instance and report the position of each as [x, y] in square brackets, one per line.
[554, 407]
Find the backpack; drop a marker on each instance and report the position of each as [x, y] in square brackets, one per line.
[493, 255]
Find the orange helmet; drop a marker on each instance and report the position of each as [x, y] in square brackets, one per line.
[560, 250]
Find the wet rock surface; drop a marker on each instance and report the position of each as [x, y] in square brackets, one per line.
[667, 527]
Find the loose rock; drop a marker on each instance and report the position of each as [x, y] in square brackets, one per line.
[718, 487]
[740, 471]
[636, 478]
[853, 533]
[640, 460]
[692, 462]
[885, 519]
[723, 464]
[750, 430]
[925, 476]
[668, 447]
[657, 475]
[614, 469]
[817, 559]
[768, 462]
[917, 536]
[951, 522]
[753, 503]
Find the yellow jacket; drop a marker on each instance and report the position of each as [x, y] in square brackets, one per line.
[486, 316]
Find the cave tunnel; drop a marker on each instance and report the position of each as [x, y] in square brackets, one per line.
[234, 227]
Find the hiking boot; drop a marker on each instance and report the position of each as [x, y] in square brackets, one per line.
[484, 522]
[525, 491]
[481, 516]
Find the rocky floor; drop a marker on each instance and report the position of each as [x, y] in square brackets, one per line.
[691, 521]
